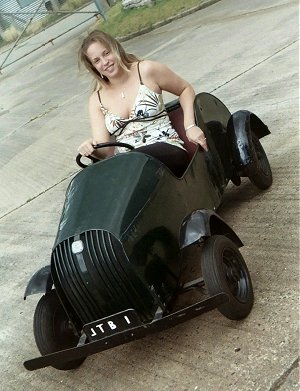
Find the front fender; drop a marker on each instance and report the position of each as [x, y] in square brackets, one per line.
[40, 282]
[241, 125]
[204, 223]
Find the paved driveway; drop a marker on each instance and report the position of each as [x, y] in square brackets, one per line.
[246, 53]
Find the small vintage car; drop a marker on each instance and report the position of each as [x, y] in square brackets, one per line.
[116, 263]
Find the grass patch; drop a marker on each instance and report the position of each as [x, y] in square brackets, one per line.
[121, 21]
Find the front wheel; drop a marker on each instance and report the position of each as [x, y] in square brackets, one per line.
[261, 177]
[52, 329]
[224, 270]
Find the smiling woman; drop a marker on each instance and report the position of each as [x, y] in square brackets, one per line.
[127, 104]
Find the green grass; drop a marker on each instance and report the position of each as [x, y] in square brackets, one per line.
[122, 22]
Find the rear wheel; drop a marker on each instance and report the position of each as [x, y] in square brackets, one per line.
[52, 329]
[261, 176]
[224, 270]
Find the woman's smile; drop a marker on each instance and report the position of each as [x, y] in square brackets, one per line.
[109, 68]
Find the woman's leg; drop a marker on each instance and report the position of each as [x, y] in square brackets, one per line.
[175, 158]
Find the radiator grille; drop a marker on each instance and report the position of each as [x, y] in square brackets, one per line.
[99, 281]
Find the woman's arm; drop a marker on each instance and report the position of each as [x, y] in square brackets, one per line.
[193, 132]
[99, 131]
[167, 80]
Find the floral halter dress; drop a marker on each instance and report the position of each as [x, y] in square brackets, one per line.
[147, 124]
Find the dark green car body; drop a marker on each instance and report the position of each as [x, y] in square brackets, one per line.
[127, 218]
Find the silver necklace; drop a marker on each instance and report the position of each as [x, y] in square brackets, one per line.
[123, 94]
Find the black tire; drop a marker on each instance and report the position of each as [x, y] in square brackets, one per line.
[52, 330]
[224, 270]
[261, 176]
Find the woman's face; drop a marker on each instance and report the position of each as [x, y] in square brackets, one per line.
[103, 60]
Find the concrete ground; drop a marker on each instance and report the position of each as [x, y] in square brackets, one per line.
[246, 53]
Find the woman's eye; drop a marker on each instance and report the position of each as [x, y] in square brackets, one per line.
[96, 60]
[106, 53]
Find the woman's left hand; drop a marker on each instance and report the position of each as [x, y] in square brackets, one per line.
[197, 136]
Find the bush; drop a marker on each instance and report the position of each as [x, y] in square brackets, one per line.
[10, 34]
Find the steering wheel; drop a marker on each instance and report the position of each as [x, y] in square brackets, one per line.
[98, 146]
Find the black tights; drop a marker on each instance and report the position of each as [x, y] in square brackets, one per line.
[175, 158]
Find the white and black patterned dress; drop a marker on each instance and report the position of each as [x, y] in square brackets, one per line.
[147, 124]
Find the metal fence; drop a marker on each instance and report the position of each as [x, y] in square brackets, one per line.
[11, 13]
[26, 18]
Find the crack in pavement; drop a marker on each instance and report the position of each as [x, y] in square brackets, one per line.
[42, 114]
[38, 195]
[34, 118]
[214, 20]
[255, 65]
[282, 379]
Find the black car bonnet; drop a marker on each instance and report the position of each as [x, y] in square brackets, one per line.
[109, 195]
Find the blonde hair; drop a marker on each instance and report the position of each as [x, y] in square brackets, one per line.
[124, 59]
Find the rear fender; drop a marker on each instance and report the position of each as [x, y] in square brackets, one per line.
[40, 282]
[202, 224]
[241, 125]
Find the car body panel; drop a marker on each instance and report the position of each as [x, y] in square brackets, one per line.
[136, 221]
[40, 282]
[240, 126]
[126, 219]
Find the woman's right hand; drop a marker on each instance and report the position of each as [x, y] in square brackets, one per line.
[87, 147]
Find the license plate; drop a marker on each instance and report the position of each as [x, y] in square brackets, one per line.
[112, 324]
